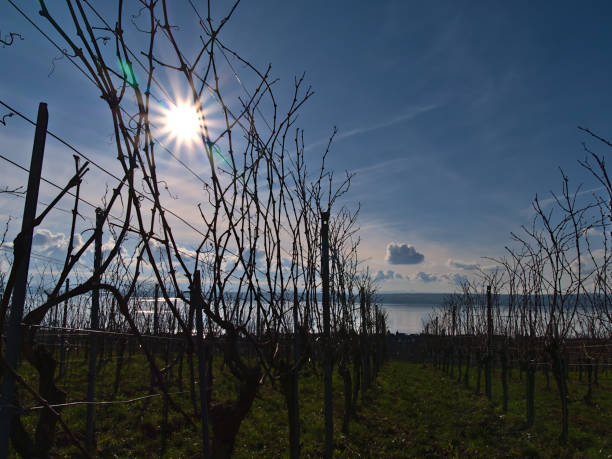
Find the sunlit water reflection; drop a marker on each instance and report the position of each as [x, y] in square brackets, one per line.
[406, 318]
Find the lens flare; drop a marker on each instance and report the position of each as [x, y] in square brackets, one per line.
[184, 126]
[183, 122]
[128, 73]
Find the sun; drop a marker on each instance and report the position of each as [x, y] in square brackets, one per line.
[183, 122]
[182, 125]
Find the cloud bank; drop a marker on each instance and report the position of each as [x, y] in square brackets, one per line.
[382, 276]
[426, 277]
[451, 278]
[53, 244]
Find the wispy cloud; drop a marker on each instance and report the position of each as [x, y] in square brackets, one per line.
[412, 113]
[462, 265]
[545, 202]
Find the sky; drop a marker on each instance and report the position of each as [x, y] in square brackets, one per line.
[453, 115]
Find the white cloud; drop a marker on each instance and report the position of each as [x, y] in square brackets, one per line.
[403, 254]
[455, 278]
[426, 277]
[451, 278]
[109, 244]
[45, 240]
[382, 276]
[462, 265]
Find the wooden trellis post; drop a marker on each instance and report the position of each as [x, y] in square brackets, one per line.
[23, 247]
[63, 344]
[329, 421]
[489, 358]
[196, 299]
[93, 339]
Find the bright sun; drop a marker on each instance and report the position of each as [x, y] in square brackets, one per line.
[183, 122]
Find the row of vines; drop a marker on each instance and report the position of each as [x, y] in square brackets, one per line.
[544, 307]
[272, 285]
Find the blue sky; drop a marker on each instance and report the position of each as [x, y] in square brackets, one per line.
[452, 114]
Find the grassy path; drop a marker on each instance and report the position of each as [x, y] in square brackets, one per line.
[417, 411]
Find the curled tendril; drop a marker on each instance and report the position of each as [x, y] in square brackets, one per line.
[134, 17]
[59, 58]
[8, 115]
[165, 184]
[104, 39]
[9, 39]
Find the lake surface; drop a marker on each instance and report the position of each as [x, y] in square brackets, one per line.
[407, 311]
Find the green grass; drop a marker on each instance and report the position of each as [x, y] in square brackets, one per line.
[417, 411]
[420, 411]
[411, 411]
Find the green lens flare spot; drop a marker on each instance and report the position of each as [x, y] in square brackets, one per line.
[217, 152]
[128, 73]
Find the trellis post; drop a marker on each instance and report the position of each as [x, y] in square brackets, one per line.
[93, 338]
[22, 249]
[329, 421]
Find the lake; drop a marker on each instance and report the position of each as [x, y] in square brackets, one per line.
[407, 311]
